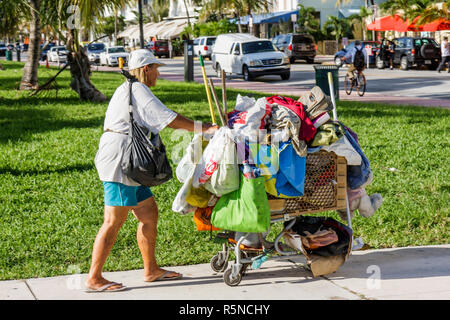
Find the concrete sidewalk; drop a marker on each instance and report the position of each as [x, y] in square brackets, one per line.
[411, 273]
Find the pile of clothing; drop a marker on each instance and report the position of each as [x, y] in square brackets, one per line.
[261, 151]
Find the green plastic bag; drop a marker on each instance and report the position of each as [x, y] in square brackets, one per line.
[244, 210]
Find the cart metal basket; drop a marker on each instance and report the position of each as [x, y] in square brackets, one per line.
[325, 190]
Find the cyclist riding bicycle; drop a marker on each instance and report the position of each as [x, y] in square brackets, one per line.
[356, 59]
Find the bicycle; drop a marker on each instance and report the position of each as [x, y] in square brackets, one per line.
[358, 82]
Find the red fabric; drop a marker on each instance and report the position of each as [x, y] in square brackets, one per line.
[391, 23]
[437, 25]
[307, 129]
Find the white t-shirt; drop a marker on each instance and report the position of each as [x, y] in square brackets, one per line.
[445, 49]
[148, 111]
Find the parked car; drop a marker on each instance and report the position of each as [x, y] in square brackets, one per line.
[44, 49]
[3, 49]
[159, 48]
[297, 46]
[111, 56]
[203, 46]
[57, 53]
[412, 51]
[94, 50]
[375, 45]
[249, 56]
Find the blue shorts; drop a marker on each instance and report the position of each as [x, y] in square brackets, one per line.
[120, 195]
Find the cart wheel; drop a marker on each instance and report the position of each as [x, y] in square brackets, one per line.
[216, 266]
[231, 281]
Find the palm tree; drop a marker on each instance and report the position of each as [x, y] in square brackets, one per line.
[358, 22]
[338, 28]
[434, 12]
[30, 72]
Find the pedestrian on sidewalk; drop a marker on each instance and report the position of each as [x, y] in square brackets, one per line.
[445, 51]
[123, 194]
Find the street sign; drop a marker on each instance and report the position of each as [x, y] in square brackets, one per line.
[293, 17]
[369, 50]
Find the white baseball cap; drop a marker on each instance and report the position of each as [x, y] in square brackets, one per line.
[140, 58]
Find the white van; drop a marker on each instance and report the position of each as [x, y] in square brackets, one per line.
[203, 46]
[247, 55]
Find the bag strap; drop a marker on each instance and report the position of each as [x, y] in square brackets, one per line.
[130, 79]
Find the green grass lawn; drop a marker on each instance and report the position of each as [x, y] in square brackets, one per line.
[51, 200]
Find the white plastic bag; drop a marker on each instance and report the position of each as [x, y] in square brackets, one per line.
[344, 148]
[185, 173]
[211, 157]
[179, 203]
[243, 103]
[190, 159]
[226, 178]
[247, 123]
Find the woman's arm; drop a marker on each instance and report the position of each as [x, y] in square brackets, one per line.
[181, 122]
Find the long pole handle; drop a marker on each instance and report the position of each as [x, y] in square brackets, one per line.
[216, 100]
[208, 94]
[333, 100]
[224, 95]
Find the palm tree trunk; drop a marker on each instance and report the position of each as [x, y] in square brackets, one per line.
[30, 72]
[81, 70]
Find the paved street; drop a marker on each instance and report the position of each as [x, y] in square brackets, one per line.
[411, 83]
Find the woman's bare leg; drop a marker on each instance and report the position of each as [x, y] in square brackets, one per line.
[106, 237]
[147, 214]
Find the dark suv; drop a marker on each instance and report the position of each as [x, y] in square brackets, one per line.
[159, 48]
[296, 46]
[411, 51]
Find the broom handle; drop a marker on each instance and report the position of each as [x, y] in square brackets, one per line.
[216, 100]
[224, 95]
[208, 94]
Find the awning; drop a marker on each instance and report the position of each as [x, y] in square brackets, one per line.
[389, 23]
[173, 29]
[128, 31]
[273, 17]
[345, 13]
[396, 23]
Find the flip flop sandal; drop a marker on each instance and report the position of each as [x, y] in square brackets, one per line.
[164, 277]
[105, 288]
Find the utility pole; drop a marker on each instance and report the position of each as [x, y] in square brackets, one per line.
[141, 26]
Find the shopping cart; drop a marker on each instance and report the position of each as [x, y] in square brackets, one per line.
[325, 190]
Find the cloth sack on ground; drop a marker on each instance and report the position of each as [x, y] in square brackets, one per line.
[307, 129]
[315, 102]
[284, 124]
[244, 210]
[320, 238]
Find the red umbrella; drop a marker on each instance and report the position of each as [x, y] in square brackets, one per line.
[437, 25]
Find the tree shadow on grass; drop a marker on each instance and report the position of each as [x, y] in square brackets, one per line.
[21, 123]
[67, 169]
